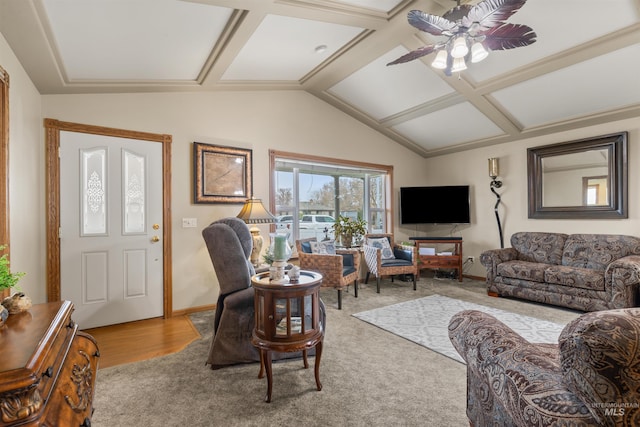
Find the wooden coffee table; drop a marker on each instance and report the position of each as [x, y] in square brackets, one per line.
[287, 319]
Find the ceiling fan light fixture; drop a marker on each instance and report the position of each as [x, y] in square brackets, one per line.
[458, 65]
[479, 28]
[440, 61]
[460, 48]
[478, 52]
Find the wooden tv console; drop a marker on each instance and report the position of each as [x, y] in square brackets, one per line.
[440, 261]
[47, 369]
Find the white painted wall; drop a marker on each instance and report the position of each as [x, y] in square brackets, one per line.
[286, 120]
[471, 167]
[26, 181]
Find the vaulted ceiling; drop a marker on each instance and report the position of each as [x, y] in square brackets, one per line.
[582, 70]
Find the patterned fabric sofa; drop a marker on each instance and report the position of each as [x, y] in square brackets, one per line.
[587, 272]
[590, 378]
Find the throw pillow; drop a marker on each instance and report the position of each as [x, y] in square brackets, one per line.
[382, 243]
[327, 247]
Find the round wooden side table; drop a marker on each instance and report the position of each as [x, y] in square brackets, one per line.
[287, 319]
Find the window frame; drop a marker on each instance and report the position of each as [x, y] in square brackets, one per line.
[275, 155]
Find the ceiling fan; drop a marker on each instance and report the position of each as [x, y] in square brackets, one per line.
[470, 31]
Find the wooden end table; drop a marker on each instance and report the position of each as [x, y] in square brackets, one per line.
[440, 261]
[287, 319]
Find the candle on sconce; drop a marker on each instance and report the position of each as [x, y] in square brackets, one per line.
[494, 169]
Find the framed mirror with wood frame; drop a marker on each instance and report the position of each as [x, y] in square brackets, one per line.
[582, 179]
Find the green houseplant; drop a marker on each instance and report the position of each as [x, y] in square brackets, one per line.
[8, 279]
[268, 257]
[349, 229]
[17, 302]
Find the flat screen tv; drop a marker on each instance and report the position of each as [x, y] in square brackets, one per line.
[448, 204]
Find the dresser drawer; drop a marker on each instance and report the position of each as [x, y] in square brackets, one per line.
[71, 400]
[53, 361]
[440, 261]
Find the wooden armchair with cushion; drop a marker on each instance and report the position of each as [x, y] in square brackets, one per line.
[385, 258]
[339, 267]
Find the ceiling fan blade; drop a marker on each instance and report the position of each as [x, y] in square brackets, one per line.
[414, 54]
[457, 12]
[490, 13]
[509, 36]
[431, 24]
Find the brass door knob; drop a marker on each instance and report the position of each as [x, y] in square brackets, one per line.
[155, 239]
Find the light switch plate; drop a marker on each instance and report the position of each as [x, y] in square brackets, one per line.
[189, 222]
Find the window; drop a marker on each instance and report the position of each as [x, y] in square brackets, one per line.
[595, 190]
[309, 193]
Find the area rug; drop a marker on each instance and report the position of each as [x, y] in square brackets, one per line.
[425, 321]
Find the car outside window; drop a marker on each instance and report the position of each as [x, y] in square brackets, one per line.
[362, 192]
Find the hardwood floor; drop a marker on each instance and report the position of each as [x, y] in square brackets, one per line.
[144, 339]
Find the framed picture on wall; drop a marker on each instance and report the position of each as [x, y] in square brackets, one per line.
[221, 174]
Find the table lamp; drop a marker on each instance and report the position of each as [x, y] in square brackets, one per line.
[253, 212]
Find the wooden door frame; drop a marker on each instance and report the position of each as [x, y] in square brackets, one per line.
[52, 189]
[4, 165]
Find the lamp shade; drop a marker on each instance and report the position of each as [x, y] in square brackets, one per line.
[478, 52]
[494, 168]
[254, 212]
[460, 48]
[440, 62]
[458, 65]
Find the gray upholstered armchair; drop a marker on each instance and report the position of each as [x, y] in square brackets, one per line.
[590, 378]
[229, 243]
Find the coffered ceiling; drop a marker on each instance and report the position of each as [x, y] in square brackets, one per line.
[582, 70]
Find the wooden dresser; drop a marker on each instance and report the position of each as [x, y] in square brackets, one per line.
[47, 368]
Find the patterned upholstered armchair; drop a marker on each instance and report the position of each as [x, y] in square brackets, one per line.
[339, 267]
[590, 378]
[385, 258]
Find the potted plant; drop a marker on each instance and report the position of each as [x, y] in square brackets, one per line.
[16, 303]
[268, 257]
[349, 229]
[8, 279]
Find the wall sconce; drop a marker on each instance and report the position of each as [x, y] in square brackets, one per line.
[494, 171]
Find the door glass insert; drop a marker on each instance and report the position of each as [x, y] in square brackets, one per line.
[308, 313]
[133, 194]
[93, 191]
[297, 327]
[260, 314]
[282, 320]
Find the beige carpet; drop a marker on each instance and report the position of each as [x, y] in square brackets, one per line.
[370, 377]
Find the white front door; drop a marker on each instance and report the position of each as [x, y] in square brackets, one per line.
[111, 256]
